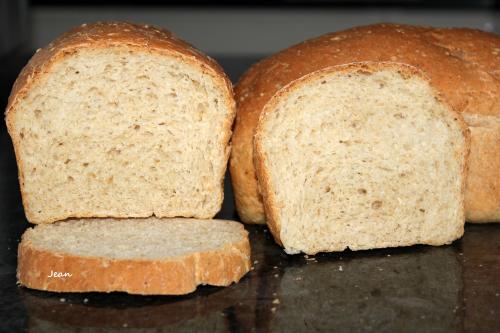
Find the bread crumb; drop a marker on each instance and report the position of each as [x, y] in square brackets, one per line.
[62, 300]
[276, 275]
[256, 262]
[85, 300]
[276, 301]
[125, 325]
[340, 268]
[273, 309]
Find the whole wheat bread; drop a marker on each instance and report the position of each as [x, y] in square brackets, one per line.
[137, 256]
[463, 64]
[120, 120]
[361, 156]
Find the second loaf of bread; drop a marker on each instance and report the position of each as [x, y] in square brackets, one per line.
[462, 64]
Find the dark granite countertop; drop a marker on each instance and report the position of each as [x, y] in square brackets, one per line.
[452, 288]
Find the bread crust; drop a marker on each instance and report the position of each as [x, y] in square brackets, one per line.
[103, 35]
[462, 64]
[171, 276]
[270, 204]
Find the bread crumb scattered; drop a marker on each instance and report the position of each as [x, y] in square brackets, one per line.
[62, 300]
[276, 301]
[340, 268]
[273, 309]
[85, 300]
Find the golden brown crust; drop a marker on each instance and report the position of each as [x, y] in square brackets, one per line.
[102, 35]
[172, 276]
[483, 183]
[466, 74]
[270, 205]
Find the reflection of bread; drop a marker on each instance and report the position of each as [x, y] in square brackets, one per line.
[120, 120]
[463, 64]
[361, 156]
[138, 256]
[372, 292]
[149, 315]
[481, 274]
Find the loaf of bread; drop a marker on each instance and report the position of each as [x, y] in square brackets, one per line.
[361, 156]
[463, 64]
[120, 120]
[137, 256]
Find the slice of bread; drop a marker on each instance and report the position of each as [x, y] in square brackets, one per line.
[462, 64]
[361, 156]
[120, 120]
[137, 256]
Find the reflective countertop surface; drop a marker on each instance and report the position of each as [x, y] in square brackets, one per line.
[452, 288]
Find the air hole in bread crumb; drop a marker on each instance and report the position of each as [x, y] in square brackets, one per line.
[399, 116]
[85, 164]
[361, 191]
[67, 161]
[327, 189]
[136, 127]
[70, 178]
[422, 210]
[376, 204]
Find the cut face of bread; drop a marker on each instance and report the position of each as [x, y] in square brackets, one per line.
[361, 156]
[138, 256]
[122, 131]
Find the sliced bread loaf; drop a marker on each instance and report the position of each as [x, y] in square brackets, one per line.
[361, 156]
[120, 120]
[463, 64]
[137, 256]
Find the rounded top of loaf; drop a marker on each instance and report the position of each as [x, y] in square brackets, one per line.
[463, 64]
[106, 34]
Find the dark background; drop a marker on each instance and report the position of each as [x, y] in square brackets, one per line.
[452, 288]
